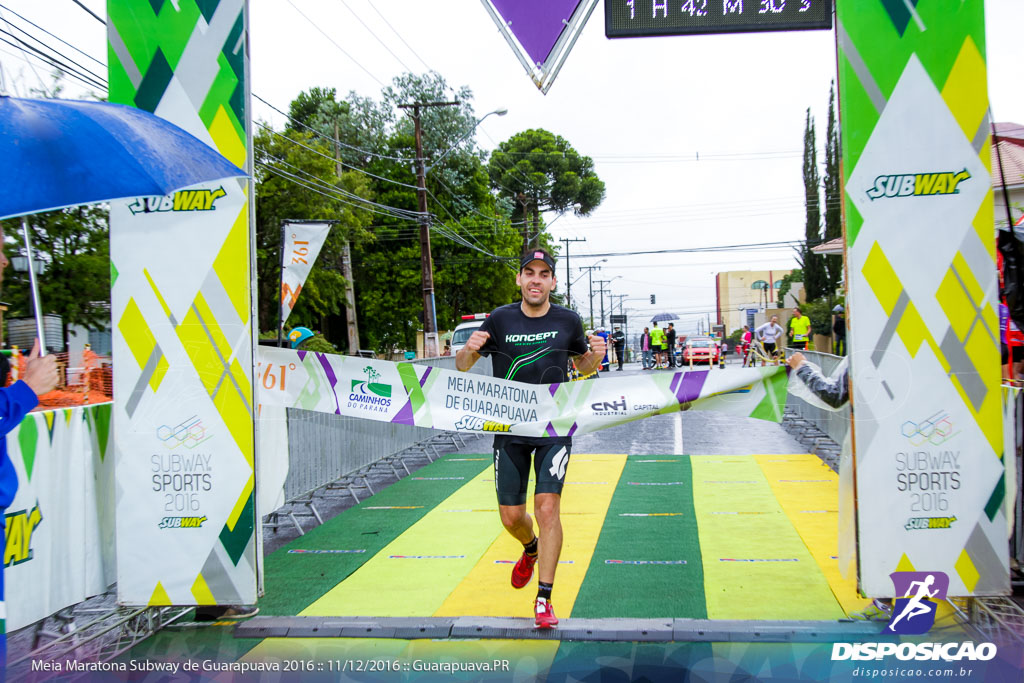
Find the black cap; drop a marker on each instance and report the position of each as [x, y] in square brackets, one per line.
[537, 255]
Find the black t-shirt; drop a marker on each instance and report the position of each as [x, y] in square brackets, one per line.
[533, 350]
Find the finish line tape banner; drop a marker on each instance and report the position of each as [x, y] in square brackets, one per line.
[425, 396]
[924, 331]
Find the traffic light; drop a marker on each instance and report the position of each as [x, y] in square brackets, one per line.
[652, 298]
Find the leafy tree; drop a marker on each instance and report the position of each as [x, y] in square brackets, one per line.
[833, 196]
[795, 275]
[75, 246]
[296, 180]
[812, 264]
[540, 171]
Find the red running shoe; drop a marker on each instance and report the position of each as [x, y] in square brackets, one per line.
[522, 572]
[545, 614]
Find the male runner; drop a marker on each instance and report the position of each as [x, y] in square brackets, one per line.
[531, 342]
[657, 344]
[799, 329]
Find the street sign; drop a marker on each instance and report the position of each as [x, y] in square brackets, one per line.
[618, 320]
[634, 18]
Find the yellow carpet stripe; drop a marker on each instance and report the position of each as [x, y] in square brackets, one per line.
[760, 589]
[386, 587]
[486, 590]
[812, 508]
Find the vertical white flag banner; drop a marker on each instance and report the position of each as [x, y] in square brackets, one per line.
[181, 307]
[302, 244]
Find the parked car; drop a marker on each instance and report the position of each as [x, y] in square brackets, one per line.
[701, 350]
[465, 329]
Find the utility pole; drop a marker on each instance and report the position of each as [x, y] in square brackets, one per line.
[430, 348]
[601, 292]
[590, 279]
[568, 279]
[346, 264]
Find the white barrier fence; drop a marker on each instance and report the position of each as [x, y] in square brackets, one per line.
[60, 527]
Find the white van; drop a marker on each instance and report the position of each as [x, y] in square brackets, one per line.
[465, 329]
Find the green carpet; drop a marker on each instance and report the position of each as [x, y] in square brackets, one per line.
[649, 528]
[293, 580]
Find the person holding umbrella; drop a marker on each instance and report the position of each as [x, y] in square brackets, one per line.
[15, 402]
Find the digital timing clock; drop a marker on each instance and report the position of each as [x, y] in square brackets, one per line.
[631, 18]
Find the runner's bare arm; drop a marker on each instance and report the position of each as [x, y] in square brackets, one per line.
[591, 360]
[470, 353]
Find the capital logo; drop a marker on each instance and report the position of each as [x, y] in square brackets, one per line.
[372, 384]
[186, 200]
[918, 184]
[914, 613]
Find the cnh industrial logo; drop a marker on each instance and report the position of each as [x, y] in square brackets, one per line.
[914, 615]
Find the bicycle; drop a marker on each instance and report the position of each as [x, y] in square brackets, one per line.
[757, 352]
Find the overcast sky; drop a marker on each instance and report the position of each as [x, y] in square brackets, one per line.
[644, 109]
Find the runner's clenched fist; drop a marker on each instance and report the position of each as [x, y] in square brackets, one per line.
[598, 345]
[477, 340]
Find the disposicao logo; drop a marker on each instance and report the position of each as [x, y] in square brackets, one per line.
[918, 184]
[913, 615]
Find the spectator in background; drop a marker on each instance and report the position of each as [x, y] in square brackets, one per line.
[670, 344]
[657, 344]
[645, 348]
[839, 331]
[15, 402]
[619, 341]
[603, 334]
[769, 334]
[746, 339]
[799, 330]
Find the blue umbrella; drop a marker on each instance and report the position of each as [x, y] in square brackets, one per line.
[60, 153]
[663, 317]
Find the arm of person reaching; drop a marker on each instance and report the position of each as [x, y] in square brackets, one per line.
[590, 361]
[834, 392]
[469, 354]
[22, 396]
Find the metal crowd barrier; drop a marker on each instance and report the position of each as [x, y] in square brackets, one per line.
[835, 424]
[336, 451]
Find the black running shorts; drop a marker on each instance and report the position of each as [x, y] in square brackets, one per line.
[512, 456]
[769, 347]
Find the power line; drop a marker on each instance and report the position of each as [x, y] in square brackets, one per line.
[328, 138]
[326, 156]
[393, 30]
[335, 44]
[28, 21]
[376, 37]
[83, 70]
[93, 14]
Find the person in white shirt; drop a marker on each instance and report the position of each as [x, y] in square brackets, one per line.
[769, 334]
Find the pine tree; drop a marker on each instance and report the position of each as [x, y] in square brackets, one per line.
[812, 264]
[833, 195]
